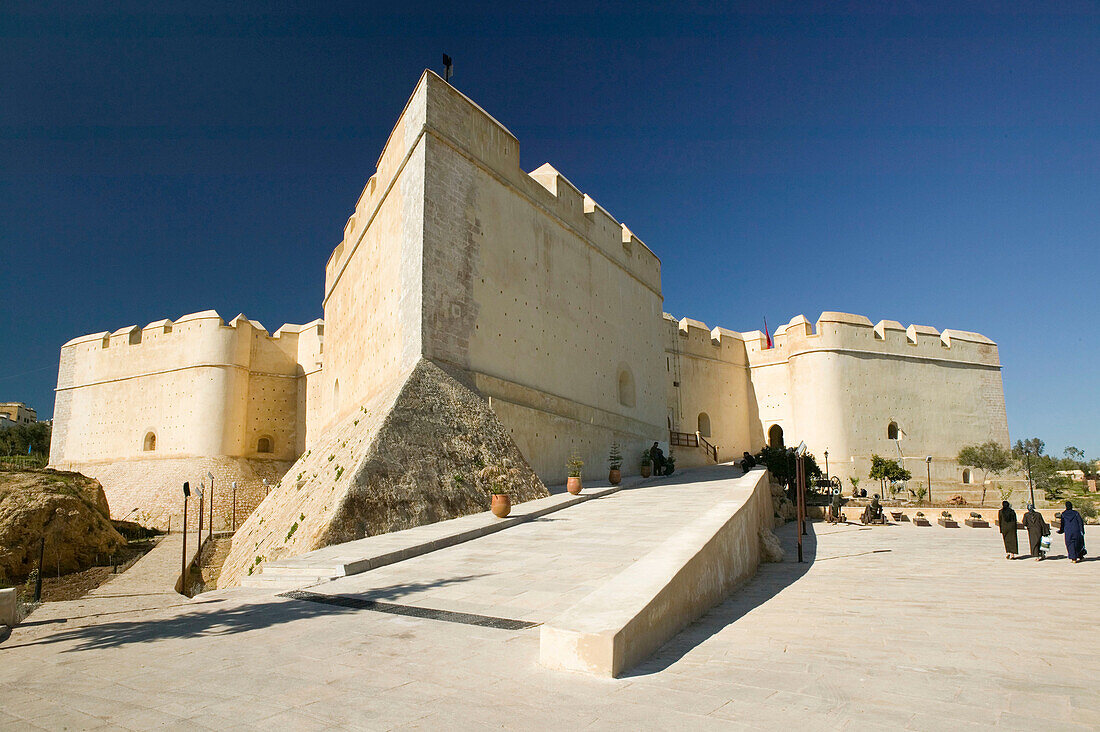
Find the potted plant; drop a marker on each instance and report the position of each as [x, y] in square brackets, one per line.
[497, 479]
[615, 464]
[574, 466]
[670, 464]
[920, 520]
[647, 464]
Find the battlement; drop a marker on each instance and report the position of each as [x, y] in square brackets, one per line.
[837, 331]
[193, 339]
[438, 109]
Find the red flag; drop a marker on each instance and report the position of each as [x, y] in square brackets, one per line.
[767, 334]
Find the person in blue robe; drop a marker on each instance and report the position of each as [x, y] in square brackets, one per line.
[1073, 527]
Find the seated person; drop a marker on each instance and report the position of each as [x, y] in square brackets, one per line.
[873, 513]
[834, 510]
[747, 462]
[657, 455]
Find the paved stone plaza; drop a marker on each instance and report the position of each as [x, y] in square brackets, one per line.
[885, 627]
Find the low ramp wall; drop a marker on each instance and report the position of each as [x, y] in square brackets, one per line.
[636, 612]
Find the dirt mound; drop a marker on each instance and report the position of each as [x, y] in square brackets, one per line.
[69, 509]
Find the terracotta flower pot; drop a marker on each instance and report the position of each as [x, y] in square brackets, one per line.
[573, 485]
[647, 470]
[502, 505]
[614, 476]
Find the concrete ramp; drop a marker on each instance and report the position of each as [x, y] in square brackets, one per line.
[633, 614]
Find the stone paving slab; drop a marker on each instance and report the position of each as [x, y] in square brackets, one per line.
[372, 552]
[887, 628]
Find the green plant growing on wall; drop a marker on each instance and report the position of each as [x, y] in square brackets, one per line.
[339, 471]
[293, 528]
[854, 480]
[615, 457]
[574, 465]
[1005, 493]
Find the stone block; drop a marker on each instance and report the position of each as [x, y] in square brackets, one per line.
[9, 606]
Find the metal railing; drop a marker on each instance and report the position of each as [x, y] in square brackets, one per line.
[712, 450]
[683, 439]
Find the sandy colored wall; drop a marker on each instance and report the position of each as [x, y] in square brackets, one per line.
[840, 383]
[373, 280]
[534, 288]
[706, 372]
[203, 387]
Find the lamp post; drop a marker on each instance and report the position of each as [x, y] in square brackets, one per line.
[928, 465]
[826, 463]
[234, 506]
[267, 488]
[211, 528]
[800, 473]
[202, 490]
[186, 493]
[1030, 484]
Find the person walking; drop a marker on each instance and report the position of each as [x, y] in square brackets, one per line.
[1036, 529]
[1073, 526]
[1006, 520]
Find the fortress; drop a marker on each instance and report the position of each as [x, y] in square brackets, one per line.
[475, 312]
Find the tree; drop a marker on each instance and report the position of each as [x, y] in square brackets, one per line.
[885, 470]
[1031, 445]
[16, 440]
[989, 457]
[781, 464]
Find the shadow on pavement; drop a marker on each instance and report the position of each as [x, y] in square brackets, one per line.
[193, 622]
[769, 581]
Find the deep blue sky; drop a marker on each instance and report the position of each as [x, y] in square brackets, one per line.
[914, 164]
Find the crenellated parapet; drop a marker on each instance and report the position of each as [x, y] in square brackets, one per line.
[201, 338]
[436, 108]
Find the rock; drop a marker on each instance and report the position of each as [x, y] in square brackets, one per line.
[69, 508]
[409, 456]
[770, 548]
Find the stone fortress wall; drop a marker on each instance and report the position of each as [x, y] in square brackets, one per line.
[168, 398]
[845, 385]
[524, 288]
[519, 279]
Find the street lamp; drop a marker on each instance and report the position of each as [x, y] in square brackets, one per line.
[928, 464]
[826, 463]
[234, 506]
[267, 488]
[186, 494]
[1030, 484]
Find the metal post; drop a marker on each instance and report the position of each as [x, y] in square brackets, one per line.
[800, 498]
[826, 465]
[1030, 484]
[183, 569]
[210, 528]
[202, 495]
[234, 506]
[928, 464]
[41, 556]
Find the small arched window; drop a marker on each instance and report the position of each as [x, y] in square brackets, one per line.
[892, 431]
[966, 475]
[150, 442]
[264, 445]
[626, 387]
[775, 436]
[704, 424]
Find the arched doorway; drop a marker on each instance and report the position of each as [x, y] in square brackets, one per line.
[892, 431]
[704, 424]
[775, 436]
[150, 443]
